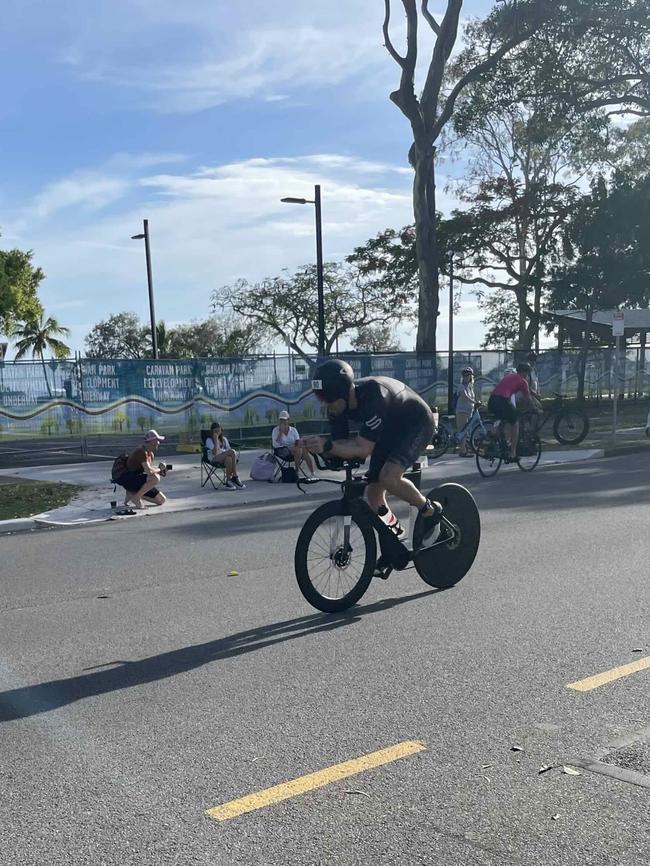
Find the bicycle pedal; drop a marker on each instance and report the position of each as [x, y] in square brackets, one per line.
[383, 574]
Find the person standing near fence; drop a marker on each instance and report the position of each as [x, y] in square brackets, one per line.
[465, 403]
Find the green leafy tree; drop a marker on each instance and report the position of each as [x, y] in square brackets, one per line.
[141, 421]
[122, 335]
[287, 306]
[39, 335]
[19, 283]
[596, 55]
[500, 318]
[376, 338]
[224, 337]
[429, 111]
[607, 257]
[163, 338]
[526, 161]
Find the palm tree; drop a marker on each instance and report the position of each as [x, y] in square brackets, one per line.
[163, 339]
[40, 334]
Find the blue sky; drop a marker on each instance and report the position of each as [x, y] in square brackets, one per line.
[199, 117]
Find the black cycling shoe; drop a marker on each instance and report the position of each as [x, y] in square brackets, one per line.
[382, 568]
[433, 516]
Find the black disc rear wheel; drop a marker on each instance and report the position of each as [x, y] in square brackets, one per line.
[335, 558]
[450, 555]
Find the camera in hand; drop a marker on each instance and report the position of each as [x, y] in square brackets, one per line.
[165, 468]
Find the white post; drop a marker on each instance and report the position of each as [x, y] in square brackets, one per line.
[615, 403]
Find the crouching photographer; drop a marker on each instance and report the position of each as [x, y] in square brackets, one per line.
[139, 475]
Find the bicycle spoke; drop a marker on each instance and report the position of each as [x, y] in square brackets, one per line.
[328, 578]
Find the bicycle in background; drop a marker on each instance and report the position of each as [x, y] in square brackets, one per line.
[447, 436]
[493, 450]
[570, 424]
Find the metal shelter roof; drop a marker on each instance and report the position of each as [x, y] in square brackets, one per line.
[636, 321]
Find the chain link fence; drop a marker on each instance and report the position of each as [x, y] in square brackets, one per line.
[74, 399]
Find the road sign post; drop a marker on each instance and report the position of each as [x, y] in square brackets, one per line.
[618, 330]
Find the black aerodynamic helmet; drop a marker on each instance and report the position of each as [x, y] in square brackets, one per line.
[332, 380]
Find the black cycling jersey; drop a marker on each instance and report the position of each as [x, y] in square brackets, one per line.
[386, 409]
[392, 416]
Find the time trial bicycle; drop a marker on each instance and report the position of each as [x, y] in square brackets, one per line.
[336, 552]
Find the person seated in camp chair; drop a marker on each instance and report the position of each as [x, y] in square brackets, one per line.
[220, 452]
[142, 474]
[287, 444]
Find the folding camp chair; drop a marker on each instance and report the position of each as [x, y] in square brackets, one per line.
[285, 462]
[209, 469]
[281, 462]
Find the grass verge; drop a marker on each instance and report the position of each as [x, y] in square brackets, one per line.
[19, 498]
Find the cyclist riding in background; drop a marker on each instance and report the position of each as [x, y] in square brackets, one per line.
[502, 405]
[396, 427]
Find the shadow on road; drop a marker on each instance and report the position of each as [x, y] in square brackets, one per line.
[29, 701]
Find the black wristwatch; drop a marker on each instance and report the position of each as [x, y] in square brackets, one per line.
[327, 446]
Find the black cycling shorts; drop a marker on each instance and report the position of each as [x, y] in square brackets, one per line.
[132, 481]
[403, 446]
[503, 409]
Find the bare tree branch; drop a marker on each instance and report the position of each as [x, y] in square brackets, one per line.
[441, 52]
[397, 57]
[429, 17]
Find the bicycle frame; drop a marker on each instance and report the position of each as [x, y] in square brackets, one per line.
[395, 553]
[474, 420]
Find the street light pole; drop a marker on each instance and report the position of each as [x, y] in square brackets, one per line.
[152, 312]
[450, 358]
[319, 273]
[319, 262]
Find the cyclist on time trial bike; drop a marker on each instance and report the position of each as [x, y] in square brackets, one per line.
[396, 426]
[502, 402]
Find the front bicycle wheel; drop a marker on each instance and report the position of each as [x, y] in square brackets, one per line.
[479, 434]
[570, 426]
[488, 456]
[529, 450]
[439, 443]
[335, 558]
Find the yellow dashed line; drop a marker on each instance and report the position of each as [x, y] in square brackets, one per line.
[276, 794]
[594, 682]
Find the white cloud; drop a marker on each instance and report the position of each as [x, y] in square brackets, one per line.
[237, 52]
[208, 227]
[87, 190]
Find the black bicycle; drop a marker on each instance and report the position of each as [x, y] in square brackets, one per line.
[570, 424]
[336, 551]
[493, 450]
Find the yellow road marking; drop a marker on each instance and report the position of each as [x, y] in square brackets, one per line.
[590, 683]
[314, 780]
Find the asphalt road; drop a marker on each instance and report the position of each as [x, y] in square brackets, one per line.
[140, 686]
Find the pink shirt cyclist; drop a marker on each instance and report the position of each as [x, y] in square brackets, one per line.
[511, 384]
